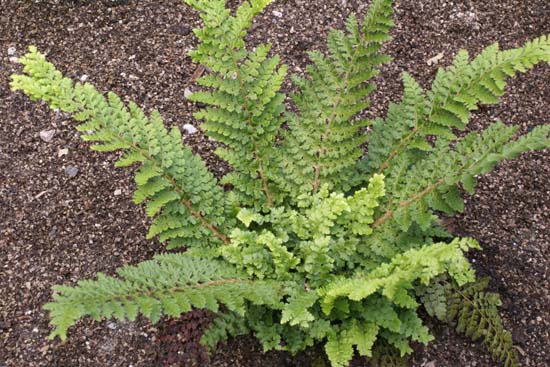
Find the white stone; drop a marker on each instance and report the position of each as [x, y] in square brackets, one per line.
[189, 129]
[11, 51]
[83, 78]
[117, 192]
[62, 152]
[47, 135]
[277, 13]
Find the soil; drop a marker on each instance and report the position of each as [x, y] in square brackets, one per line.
[57, 226]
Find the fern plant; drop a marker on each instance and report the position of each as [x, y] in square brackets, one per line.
[316, 242]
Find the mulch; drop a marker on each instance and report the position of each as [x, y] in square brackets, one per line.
[57, 226]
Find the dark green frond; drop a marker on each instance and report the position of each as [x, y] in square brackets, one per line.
[170, 284]
[180, 192]
[474, 311]
[455, 92]
[323, 143]
[244, 100]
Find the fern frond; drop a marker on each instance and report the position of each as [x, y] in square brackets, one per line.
[173, 180]
[455, 93]
[475, 313]
[342, 340]
[222, 327]
[394, 279]
[244, 100]
[170, 284]
[385, 355]
[432, 180]
[323, 143]
[434, 298]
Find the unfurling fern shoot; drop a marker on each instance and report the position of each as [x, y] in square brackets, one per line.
[315, 242]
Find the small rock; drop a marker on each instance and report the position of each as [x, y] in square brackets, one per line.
[111, 326]
[62, 152]
[187, 93]
[11, 51]
[189, 129]
[434, 60]
[14, 60]
[44, 349]
[71, 171]
[182, 30]
[83, 78]
[47, 135]
[5, 325]
[117, 192]
[277, 13]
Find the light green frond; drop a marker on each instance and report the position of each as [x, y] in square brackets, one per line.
[395, 279]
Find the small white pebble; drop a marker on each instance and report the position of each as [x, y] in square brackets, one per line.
[62, 152]
[277, 13]
[14, 60]
[111, 326]
[83, 78]
[35, 330]
[47, 135]
[11, 51]
[189, 129]
[117, 192]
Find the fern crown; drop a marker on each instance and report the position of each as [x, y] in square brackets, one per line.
[315, 242]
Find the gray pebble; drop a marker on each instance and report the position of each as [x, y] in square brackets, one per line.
[71, 171]
[47, 135]
[11, 51]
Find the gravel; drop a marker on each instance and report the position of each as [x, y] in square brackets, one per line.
[58, 229]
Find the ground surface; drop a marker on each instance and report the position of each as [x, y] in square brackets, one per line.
[55, 228]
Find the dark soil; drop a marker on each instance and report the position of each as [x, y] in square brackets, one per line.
[55, 228]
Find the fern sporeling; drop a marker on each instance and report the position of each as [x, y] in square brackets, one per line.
[312, 243]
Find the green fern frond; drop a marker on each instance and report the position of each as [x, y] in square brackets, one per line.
[172, 180]
[323, 143]
[455, 93]
[385, 355]
[222, 327]
[432, 180]
[244, 103]
[393, 280]
[170, 284]
[474, 311]
[434, 298]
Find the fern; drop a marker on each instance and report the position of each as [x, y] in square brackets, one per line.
[188, 205]
[170, 284]
[323, 143]
[475, 313]
[314, 241]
